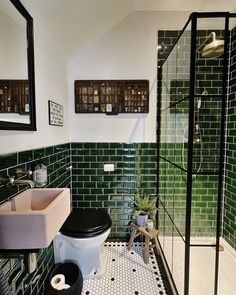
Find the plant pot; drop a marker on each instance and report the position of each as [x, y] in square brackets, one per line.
[141, 220]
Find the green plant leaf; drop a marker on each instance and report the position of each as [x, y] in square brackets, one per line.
[144, 205]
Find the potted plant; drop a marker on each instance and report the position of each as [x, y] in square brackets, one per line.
[143, 207]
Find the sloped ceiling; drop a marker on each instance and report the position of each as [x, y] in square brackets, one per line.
[74, 24]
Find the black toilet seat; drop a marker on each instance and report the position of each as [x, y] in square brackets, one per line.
[86, 223]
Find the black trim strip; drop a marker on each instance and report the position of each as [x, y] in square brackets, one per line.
[187, 97]
[190, 156]
[181, 168]
[222, 158]
[180, 234]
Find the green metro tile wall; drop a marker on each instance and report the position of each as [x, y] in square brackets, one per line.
[173, 191]
[173, 148]
[204, 188]
[135, 168]
[56, 158]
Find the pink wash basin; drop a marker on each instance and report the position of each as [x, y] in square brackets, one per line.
[33, 218]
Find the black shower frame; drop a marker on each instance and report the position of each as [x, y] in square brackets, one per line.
[193, 20]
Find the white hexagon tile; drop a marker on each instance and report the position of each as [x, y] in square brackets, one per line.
[126, 273]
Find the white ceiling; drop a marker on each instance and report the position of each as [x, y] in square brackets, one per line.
[185, 5]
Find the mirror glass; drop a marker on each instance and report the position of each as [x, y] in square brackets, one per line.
[16, 67]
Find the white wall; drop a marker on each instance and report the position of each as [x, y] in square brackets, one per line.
[50, 82]
[126, 51]
[87, 39]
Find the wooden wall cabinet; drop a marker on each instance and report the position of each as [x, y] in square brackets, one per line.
[111, 96]
[14, 96]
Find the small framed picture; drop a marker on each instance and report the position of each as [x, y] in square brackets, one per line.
[55, 113]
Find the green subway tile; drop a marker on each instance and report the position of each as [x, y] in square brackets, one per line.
[102, 184]
[109, 204]
[128, 145]
[122, 152]
[96, 165]
[48, 151]
[76, 145]
[116, 210]
[104, 159]
[39, 153]
[102, 197]
[91, 159]
[115, 158]
[122, 165]
[89, 184]
[8, 160]
[122, 191]
[83, 191]
[108, 191]
[84, 165]
[89, 171]
[129, 184]
[109, 178]
[149, 165]
[96, 204]
[96, 178]
[129, 171]
[77, 197]
[110, 152]
[116, 197]
[82, 152]
[103, 145]
[116, 184]
[76, 158]
[83, 204]
[90, 145]
[96, 191]
[122, 178]
[95, 152]
[79, 171]
[149, 152]
[90, 198]
[115, 145]
[25, 156]
[83, 178]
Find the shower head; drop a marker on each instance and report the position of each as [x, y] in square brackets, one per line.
[213, 49]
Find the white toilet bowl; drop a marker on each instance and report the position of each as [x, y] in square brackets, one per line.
[81, 239]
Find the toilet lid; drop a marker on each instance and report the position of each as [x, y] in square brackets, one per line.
[84, 223]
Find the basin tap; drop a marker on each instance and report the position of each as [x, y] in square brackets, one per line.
[28, 182]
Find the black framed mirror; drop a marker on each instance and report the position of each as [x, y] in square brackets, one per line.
[17, 79]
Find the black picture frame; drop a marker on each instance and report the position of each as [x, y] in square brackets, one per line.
[55, 114]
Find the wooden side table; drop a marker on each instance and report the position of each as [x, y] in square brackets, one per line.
[150, 236]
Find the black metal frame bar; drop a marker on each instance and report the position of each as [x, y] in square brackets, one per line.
[193, 19]
[159, 79]
[190, 156]
[221, 159]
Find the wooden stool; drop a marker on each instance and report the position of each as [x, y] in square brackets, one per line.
[150, 236]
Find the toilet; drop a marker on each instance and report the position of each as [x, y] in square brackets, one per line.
[80, 240]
